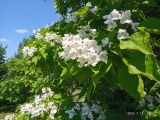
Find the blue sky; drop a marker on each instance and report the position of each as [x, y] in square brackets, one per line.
[18, 19]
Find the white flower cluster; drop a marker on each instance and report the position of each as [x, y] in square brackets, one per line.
[86, 32]
[149, 101]
[9, 117]
[92, 9]
[38, 36]
[106, 42]
[124, 17]
[27, 51]
[85, 51]
[38, 107]
[49, 37]
[87, 112]
[71, 17]
[52, 38]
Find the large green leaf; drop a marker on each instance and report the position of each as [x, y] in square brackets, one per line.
[103, 69]
[151, 25]
[132, 84]
[82, 74]
[139, 63]
[156, 31]
[137, 41]
[97, 73]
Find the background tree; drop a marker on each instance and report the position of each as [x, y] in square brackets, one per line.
[2, 61]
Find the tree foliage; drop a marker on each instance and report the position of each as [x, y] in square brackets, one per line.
[124, 78]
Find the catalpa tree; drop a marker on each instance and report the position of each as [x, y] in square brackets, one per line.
[101, 59]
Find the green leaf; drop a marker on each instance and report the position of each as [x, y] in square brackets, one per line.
[103, 69]
[141, 64]
[64, 73]
[83, 74]
[132, 84]
[116, 51]
[97, 74]
[57, 96]
[82, 11]
[156, 42]
[45, 55]
[35, 59]
[151, 25]
[137, 41]
[156, 31]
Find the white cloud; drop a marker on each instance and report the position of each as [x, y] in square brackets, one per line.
[21, 31]
[4, 40]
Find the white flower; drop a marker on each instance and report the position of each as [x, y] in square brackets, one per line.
[87, 32]
[71, 113]
[110, 19]
[122, 34]
[114, 15]
[93, 30]
[52, 37]
[94, 10]
[86, 111]
[128, 21]
[37, 99]
[123, 16]
[38, 35]
[53, 111]
[9, 117]
[71, 17]
[89, 4]
[77, 107]
[85, 51]
[38, 107]
[46, 90]
[111, 24]
[134, 25]
[50, 104]
[105, 41]
[95, 108]
[38, 110]
[26, 108]
[27, 51]
[126, 15]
